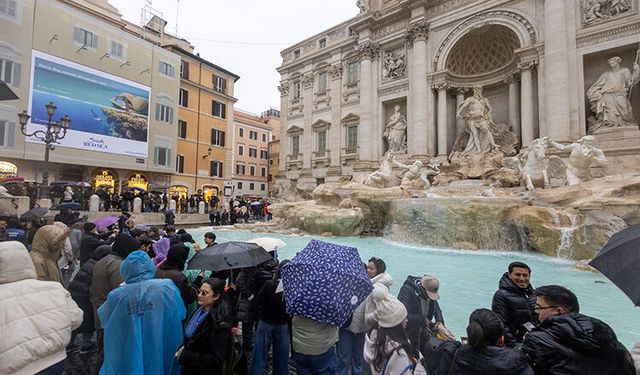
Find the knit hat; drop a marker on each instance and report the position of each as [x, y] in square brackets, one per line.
[431, 285]
[390, 311]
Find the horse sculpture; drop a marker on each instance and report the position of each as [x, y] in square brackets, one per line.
[533, 167]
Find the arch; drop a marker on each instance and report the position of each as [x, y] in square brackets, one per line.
[519, 24]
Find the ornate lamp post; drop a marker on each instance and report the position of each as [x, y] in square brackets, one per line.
[56, 130]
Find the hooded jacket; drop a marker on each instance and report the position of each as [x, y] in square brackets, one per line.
[172, 269]
[514, 306]
[411, 295]
[89, 243]
[46, 249]
[398, 362]
[36, 317]
[573, 343]
[249, 282]
[142, 321]
[495, 360]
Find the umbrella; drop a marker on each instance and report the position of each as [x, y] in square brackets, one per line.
[269, 243]
[34, 214]
[103, 222]
[325, 282]
[65, 183]
[69, 206]
[619, 261]
[84, 184]
[256, 203]
[229, 255]
[12, 180]
[138, 189]
[6, 93]
[105, 186]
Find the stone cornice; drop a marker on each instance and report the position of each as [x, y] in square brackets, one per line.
[590, 37]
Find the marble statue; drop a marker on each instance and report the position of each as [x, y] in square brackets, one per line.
[595, 10]
[384, 174]
[478, 123]
[583, 155]
[393, 66]
[433, 169]
[609, 96]
[533, 167]
[363, 5]
[396, 131]
[411, 176]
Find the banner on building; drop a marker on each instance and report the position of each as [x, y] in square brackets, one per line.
[108, 114]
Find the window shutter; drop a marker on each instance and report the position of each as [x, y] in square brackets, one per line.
[10, 139]
[94, 40]
[170, 120]
[17, 69]
[168, 159]
[156, 151]
[158, 111]
[160, 66]
[223, 109]
[77, 35]
[220, 174]
[222, 136]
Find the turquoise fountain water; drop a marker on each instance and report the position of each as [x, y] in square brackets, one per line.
[468, 279]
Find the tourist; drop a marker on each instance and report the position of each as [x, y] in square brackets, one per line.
[90, 241]
[173, 267]
[169, 217]
[142, 322]
[387, 348]
[351, 342]
[567, 342]
[161, 249]
[635, 354]
[14, 230]
[209, 239]
[224, 217]
[314, 346]
[154, 233]
[377, 272]
[417, 293]
[515, 302]
[36, 317]
[169, 232]
[272, 329]
[212, 218]
[3, 229]
[485, 353]
[208, 334]
[46, 250]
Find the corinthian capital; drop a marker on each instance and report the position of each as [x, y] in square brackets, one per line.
[368, 50]
[527, 64]
[417, 30]
[284, 89]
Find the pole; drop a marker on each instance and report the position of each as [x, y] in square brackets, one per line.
[44, 189]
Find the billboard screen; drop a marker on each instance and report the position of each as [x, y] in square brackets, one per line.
[108, 113]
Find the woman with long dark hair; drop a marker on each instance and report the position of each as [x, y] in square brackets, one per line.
[208, 333]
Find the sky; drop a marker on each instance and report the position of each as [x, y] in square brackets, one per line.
[245, 37]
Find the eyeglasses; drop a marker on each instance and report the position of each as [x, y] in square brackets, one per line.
[540, 308]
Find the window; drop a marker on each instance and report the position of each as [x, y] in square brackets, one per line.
[252, 186]
[7, 134]
[182, 129]
[10, 72]
[322, 43]
[239, 169]
[262, 187]
[253, 135]
[322, 82]
[219, 109]
[215, 168]
[219, 84]
[166, 69]
[270, 178]
[217, 137]
[264, 137]
[184, 69]
[352, 136]
[296, 54]
[319, 181]
[9, 8]
[264, 154]
[352, 73]
[116, 50]
[252, 170]
[162, 156]
[85, 37]
[184, 98]
[295, 145]
[239, 185]
[273, 137]
[241, 132]
[322, 141]
[240, 150]
[296, 90]
[164, 113]
[253, 153]
[263, 171]
[271, 162]
[180, 163]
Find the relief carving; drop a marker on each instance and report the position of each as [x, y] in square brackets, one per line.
[595, 11]
[394, 65]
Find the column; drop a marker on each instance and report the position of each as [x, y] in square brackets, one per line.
[365, 131]
[556, 73]
[334, 145]
[459, 100]
[306, 138]
[442, 119]
[514, 105]
[417, 133]
[526, 103]
[284, 137]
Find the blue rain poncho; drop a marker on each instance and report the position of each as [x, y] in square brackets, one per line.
[142, 321]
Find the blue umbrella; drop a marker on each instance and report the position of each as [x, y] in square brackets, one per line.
[325, 282]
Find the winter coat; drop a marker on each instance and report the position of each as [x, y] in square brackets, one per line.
[383, 280]
[142, 322]
[172, 269]
[514, 306]
[46, 249]
[635, 354]
[206, 351]
[36, 317]
[573, 343]
[271, 305]
[88, 245]
[411, 295]
[80, 288]
[249, 282]
[495, 360]
[397, 362]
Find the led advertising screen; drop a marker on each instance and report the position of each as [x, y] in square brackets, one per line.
[108, 113]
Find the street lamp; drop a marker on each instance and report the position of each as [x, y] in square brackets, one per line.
[56, 130]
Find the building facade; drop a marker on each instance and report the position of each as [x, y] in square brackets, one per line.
[251, 137]
[535, 59]
[120, 91]
[204, 127]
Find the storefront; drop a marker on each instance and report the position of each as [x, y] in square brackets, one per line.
[209, 191]
[138, 181]
[179, 190]
[8, 170]
[105, 179]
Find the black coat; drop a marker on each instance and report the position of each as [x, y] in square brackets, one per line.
[411, 295]
[576, 344]
[514, 306]
[79, 288]
[172, 269]
[206, 351]
[494, 361]
[89, 242]
[249, 282]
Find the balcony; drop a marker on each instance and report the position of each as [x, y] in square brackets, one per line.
[320, 158]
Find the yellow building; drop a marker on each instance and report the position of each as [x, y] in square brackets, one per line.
[205, 117]
[274, 163]
[120, 91]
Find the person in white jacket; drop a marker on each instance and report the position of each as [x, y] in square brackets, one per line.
[377, 271]
[635, 353]
[36, 317]
[387, 349]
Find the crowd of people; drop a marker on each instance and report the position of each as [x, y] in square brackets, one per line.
[132, 302]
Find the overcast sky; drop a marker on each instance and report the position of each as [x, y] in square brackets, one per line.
[246, 36]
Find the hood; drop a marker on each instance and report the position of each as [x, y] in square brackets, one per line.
[414, 283]
[176, 258]
[161, 248]
[581, 333]
[123, 245]
[49, 240]
[15, 263]
[506, 284]
[137, 267]
[495, 360]
[101, 252]
[384, 279]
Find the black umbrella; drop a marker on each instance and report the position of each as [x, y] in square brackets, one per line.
[6, 93]
[62, 183]
[69, 205]
[619, 261]
[230, 255]
[34, 214]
